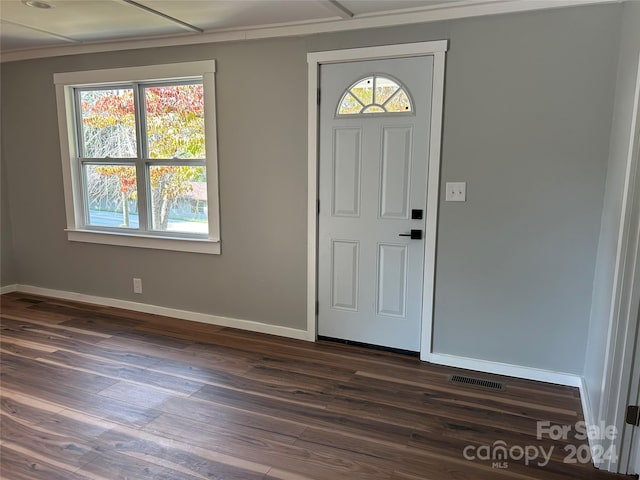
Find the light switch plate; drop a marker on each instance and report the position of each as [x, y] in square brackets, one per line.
[456, 191]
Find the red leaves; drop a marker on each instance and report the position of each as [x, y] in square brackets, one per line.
[128, 184]
[126, 175]
[114, 106]
[175, 98]
[108, 107]
[174, 120]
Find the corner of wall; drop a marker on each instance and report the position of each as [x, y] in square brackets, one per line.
[8, 271]
[602, 375]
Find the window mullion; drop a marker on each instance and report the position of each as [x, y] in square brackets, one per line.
[141, 168]
[141, 122]
[141, 174]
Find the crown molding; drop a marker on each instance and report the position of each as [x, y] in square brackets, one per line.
[434, 13]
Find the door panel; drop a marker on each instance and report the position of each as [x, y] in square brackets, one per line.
[396, 172]
[344, 275]
[373, 172]
[346, 172]
[392, 279]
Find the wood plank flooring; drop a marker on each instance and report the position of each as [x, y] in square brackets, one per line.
[98, 393]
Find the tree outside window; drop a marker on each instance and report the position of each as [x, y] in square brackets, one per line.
[167, 142]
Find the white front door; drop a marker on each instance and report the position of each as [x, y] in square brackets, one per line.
[374, 146]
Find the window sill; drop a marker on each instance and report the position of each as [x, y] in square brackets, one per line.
[146, 241]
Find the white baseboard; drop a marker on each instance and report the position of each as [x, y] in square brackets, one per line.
[437, 358]
[505, 369]
[8, 289]
[168, 312]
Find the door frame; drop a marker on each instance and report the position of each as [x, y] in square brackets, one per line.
[436, 49]
[620, 383]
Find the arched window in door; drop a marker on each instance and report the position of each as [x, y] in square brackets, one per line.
[375, 94]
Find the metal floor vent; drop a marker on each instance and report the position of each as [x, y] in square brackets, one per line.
[477, 382]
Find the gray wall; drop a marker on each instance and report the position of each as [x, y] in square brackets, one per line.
[7, 260]
[607, 248]
[527, 120]
[261, 274]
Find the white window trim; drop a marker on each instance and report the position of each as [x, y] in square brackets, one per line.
[65, 83]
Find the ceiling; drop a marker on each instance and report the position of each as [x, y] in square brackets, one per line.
[27, 31]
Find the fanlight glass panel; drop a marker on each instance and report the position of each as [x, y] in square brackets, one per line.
[363, 90]
[399, 103]
[373, 95]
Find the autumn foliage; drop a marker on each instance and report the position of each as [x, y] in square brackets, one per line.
[174, 131]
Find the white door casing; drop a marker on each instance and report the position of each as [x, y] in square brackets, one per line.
[621, 379]
[437, 50]
[373, 172]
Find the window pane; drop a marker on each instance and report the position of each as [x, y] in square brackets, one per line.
[399, 103]
[349, 105]
[179, 198]
[112, 195]
[108, 123]
[375, 94]
[175, 121]
[385, 87]
[364, 90]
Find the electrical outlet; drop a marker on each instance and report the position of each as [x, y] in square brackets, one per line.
[456, 191]
[137, 285]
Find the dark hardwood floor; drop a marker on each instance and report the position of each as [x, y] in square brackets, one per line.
[98, 393]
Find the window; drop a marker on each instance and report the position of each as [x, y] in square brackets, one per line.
[374, 94]
[139, 156]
